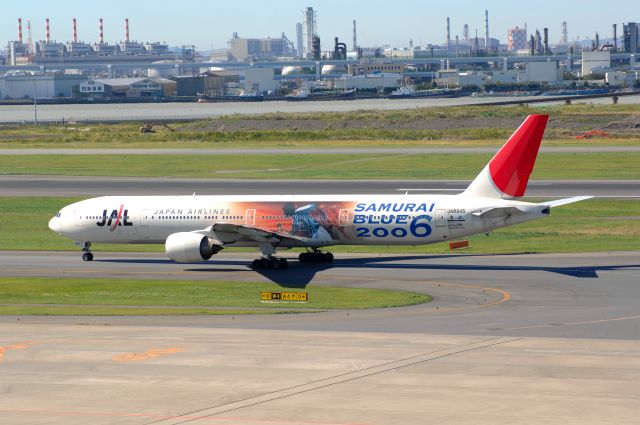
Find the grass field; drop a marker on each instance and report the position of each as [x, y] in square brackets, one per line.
[102, 297]
[453, 126]
[589, 226]
[607, 165]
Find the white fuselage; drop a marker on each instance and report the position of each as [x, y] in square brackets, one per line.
[319, 220]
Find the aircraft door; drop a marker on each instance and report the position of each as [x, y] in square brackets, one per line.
[441, 218]
[250, 217]
[343, 218]
[145, 216]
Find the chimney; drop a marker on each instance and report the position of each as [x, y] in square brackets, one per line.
[47, 32]
[355, 39]
[126, 30]
[448, 33]
[100, 31]
[546, 41]
[615, 37]
[75, 31]
[20, 30]
[486, 30]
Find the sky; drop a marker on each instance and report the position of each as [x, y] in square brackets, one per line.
[210, 24]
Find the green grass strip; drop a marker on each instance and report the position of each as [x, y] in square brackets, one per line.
[608, 165]
[167, 297]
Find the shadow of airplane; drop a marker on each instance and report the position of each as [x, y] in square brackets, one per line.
[300, 275]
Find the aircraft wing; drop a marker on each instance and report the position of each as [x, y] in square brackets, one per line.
[566, 201]
[228, 232]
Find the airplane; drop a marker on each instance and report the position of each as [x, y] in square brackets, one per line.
[195, 228]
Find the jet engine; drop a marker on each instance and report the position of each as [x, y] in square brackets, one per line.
[186, 247]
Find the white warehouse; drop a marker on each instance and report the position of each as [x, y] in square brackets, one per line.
[369, 81]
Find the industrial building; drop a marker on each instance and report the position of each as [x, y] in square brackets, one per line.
[47, 51]
[377, 81]
[27, 86]
[212, 83]
[516, 39]
[543, 72]
[250, 49]
[376, 65]
[631, 35]
[126, 88]
[596, 61]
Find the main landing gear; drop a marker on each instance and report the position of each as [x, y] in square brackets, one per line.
[315, 256]
[270, 261]
[275, 263]
[87, 255]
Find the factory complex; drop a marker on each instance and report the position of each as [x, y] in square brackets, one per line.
[279, 68]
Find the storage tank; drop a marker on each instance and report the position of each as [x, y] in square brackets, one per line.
[292, 70]
[333, 69]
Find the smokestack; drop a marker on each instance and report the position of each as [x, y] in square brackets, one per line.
[465, 32]
[486, 30]
[47, 31]
[448, 34]
[615, 37]
[20, 30]
[546, 41]
[355, 39]
[126, 30]
[532, 45]
[100, 31]
[75, 31]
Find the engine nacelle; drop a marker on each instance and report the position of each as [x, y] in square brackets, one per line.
[186, 247]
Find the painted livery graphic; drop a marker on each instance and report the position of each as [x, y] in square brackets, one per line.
[116, 218]
[325, 221]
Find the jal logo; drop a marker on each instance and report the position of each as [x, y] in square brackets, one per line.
[116, 218]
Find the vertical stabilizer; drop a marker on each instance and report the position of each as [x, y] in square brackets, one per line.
[507, 174]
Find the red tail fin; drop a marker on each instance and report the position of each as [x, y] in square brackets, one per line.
[507, 174]
[511, 167]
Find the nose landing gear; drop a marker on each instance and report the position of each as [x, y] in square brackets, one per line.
[87, 255]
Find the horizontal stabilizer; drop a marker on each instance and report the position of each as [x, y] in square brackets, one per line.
[498, 212]
[565, 201]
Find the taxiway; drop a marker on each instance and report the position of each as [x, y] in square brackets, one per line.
[544, 295]
[542, 339]
[102, 186]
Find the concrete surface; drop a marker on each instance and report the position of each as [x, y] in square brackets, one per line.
[79, 374]
[99, 186]
[180, 111]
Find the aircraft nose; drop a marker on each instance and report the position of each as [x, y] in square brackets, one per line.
[54, 224]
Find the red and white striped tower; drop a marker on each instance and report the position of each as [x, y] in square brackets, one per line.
[75, 31]
[20, 30]
[100, 31]
[126, 30]
[47, 32]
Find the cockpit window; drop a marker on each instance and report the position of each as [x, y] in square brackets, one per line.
[58, 215]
